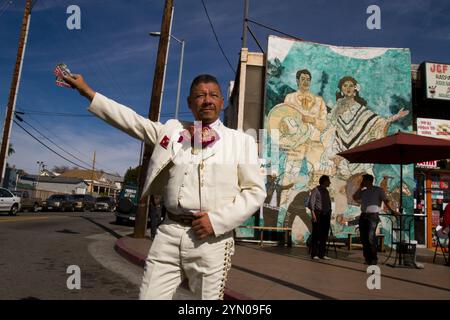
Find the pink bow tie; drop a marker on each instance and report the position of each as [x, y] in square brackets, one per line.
[206, 137]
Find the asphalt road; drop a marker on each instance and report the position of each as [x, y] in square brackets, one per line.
[37, 249]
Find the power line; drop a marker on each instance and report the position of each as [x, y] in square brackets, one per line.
[68, 145]
[37, 139]
[273, 29]
[45, 137]
[29, 133]
[56, 114]
[254, 38]
[62, 114]
[217, 38]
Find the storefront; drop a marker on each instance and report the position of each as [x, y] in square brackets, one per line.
[431, 196]
[432, 178]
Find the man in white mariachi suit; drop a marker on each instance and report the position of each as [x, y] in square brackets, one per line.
[207, 191]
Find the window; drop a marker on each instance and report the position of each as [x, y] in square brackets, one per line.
[5, 193]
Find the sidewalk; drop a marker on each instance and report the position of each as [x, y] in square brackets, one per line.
[280, 273]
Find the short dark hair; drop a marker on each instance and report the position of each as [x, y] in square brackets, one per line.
[203, 78]
[304, 71]
[323, 178]
[368, 178]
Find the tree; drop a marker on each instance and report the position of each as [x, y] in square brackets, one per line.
[131, 176]
[60, 169]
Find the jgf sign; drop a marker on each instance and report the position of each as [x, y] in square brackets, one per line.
[437, 77]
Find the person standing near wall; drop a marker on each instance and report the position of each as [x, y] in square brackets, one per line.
[320, 206]
[370, 197]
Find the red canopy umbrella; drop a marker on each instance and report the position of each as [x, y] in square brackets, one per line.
[400, 148]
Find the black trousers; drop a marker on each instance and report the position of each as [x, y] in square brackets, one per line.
[319, 237]
[367, 230]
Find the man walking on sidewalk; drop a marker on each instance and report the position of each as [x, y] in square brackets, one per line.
[370, 197]
[209, 178]
[320, 206]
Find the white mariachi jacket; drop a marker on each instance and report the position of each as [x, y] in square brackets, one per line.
[236, 187]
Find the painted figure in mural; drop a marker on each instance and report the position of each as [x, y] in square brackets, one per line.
[271, 205]
[370, 197]
[311, 107]
[274, 189]
[354, 124]
[320, 206]
[302, 125]
[313, 114]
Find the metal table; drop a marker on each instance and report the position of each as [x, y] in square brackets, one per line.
[401, 224]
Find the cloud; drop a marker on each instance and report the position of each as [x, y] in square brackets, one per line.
[115, 151]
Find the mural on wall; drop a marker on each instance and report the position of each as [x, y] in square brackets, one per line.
[321, 100]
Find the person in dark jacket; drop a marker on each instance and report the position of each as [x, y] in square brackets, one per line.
[320, 206]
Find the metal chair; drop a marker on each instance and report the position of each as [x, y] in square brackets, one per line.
[438, 237]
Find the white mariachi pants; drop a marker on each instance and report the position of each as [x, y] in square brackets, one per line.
[176, 254]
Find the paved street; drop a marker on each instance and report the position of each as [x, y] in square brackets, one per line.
[37, 249]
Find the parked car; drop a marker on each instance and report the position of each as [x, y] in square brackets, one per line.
[27, 202]
[59, 202]
[83, 202]
[127, 205]
[105, 204]
[9, 202]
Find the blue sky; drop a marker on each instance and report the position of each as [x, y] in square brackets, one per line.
[116, 56]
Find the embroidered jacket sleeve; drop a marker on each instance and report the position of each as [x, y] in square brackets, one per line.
[125, 119]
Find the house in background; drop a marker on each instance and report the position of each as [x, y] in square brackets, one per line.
[100, 183]
[44, 186]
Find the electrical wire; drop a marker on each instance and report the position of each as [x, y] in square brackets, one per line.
[37, 139]
[217, 38]
[51, 141]
[254, 38]
[56, 114]
[273, 29]
[29, 133]
[68, 145]
[62, 114]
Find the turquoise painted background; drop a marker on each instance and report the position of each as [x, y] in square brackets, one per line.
[385, 83]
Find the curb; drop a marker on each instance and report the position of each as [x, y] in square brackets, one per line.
[132, 256]
[139, 260]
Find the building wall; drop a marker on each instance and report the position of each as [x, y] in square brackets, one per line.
[56, 187]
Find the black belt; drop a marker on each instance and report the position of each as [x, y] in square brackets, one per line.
[183, 219]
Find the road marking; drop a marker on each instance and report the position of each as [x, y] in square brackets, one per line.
[19, 219]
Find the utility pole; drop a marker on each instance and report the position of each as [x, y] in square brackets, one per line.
[140, 225]
[245, 24]
[165, 65]
[92, 175]
[14, 87]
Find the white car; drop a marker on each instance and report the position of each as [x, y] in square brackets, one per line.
[9, 202]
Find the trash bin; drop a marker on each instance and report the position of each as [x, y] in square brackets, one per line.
[408, 251]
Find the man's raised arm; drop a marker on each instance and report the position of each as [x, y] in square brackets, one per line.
[77, 82]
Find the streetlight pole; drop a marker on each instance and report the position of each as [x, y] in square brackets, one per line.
[165, 65]
[180, 71]
[39, 163]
